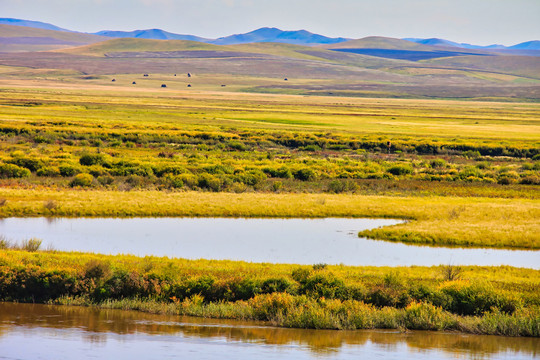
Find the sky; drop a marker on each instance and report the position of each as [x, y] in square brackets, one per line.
[480, 22]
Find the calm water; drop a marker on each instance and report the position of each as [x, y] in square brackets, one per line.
[62, 332]
[299, 241]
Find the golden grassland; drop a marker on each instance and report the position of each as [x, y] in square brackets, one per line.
[501, 277]
[436, 220]
[399, 118]
[460, 173]
[272, 156]
[488, 300]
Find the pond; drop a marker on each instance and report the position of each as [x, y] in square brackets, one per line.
[298, 241]
[68, 332]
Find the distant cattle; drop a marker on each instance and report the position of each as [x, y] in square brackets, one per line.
[188, 75]
[113, 80]
[163, 85]
[223, 85]
[134, 83]
[286, 79]
[145, 75]
[188, 85]
[174, 74]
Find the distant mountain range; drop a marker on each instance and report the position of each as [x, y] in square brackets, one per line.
[30, 23]
[154, 34]
[298, 37]
[266, 34]
[528, 45]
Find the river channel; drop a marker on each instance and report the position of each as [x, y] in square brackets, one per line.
[298, 241]
[32, 331]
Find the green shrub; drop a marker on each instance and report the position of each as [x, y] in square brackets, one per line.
[96, 270]
[48, 171]
[236, 145]
[282, 172]
[530, 179]
[323, 284]
[218, 169]
[400, 169]
[311, 147]
[470, 171]
[476, 299]
[388, 296]
[174, 181]
[91, 159]
[26, 162]
[68, 170]
[168, 170]
[438, 164]
[13, 171]
[507, 178]
[105, 179]
[82, 180]
[251, 177]
[276, 285]
[470, 154]
[96, 170]
[210, 182]
[134, 180]
[422, 316]
[340, 186]
[305, 174]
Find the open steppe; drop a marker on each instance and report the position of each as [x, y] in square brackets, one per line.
[119, 128]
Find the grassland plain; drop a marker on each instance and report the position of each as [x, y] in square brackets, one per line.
[465, 173]
[486, 300]
[73, 142]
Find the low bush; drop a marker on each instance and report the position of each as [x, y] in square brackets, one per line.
[82, 180]
[400, 169]
[91, 159]
[13, 171]
[48, 171]
[68, 170]
[305, 174]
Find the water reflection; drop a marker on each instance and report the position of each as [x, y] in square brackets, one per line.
[99, 326]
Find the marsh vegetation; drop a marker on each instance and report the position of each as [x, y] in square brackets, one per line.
[487, 300]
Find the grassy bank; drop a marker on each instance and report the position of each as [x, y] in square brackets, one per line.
[435, 220]
[486, 300]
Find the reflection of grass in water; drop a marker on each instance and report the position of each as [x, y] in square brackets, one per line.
[130, 322]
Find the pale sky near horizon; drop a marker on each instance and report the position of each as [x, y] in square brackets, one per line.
[480, 22]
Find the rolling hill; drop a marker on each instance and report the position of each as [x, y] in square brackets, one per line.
[448, 43]
[20, 39]
[30, 23]
[156, 34]
[139, 45]
[528, 45]
[400, 49]
[298, 37]
[372, 66]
